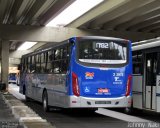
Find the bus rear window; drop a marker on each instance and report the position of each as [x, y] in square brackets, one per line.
[102, 52]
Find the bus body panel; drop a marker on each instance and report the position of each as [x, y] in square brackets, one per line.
[86, 102]
[110, 81]
[92, 79]
[53, 83]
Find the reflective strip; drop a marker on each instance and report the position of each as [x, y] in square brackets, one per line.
[136, 92]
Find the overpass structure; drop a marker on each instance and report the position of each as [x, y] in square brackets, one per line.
[26, 20]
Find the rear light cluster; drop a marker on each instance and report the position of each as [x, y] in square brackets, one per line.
[128, 88]
[75, 86]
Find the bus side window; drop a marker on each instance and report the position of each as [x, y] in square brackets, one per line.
[32, 65]
[25, 65]
[65, 59]
[57, 54]
[137, 63]
[29, 64]
[158, 63]
[49, 59]
[57, 61]
[43, 62]
[38, 63]
[22, 63]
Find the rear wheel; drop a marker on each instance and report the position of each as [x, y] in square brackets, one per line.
[27, 98]
[45, 101]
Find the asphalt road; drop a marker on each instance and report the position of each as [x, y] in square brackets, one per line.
[76, 119]
[102, 118]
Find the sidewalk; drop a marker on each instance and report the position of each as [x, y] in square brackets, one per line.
[7, 119]
[15, 114]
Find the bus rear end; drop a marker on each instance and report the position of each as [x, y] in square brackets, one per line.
[101, 70]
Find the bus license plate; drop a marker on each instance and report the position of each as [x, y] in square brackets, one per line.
[102, 102]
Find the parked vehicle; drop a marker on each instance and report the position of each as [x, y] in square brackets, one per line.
[81, 72]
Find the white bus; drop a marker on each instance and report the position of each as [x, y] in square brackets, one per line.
[146, 75]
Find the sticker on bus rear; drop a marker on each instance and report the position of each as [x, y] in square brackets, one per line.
[118, 78]
[89, 75]
[103, 90]
[87, 89]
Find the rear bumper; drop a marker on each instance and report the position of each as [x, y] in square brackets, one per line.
[120, 102]
[12, 81]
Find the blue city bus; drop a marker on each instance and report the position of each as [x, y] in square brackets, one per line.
[81, 72]
[12, 78]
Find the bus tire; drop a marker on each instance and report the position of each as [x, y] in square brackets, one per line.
[45, 101]
[27, 99]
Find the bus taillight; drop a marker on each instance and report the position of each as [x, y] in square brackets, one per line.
[128, 88]
[75, 86]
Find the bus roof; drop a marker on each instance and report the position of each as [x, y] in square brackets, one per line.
[101, 37]
[54, 45]
[151, 43]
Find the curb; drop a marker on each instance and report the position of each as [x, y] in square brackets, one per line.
[25, 115]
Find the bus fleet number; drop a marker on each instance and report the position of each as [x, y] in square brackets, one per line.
[118, 74]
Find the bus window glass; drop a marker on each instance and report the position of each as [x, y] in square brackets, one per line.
[26, 64]
[65, 59]
[49, 66]
[56, 62]
[151, 67]
[64, 53]
[158, 63]
[38, 63]
[137, 63]
[22, 63]
[57, 66]
[32, 66]
[102, 52]
[50, 56]
[42, 57]
[57, 54]
[43, 62]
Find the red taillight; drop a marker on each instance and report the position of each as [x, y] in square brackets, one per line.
[128, 88]
[75, 86]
